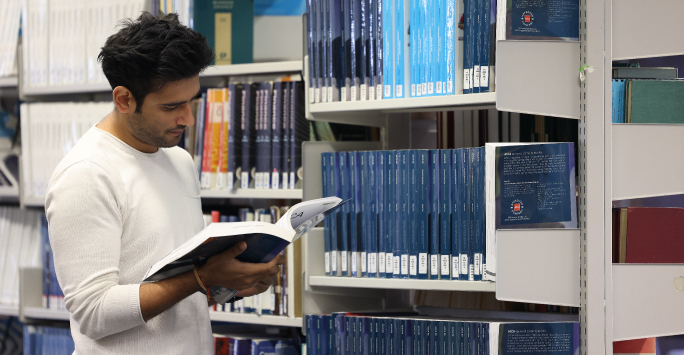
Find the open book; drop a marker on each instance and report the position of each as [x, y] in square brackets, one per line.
[264, 241]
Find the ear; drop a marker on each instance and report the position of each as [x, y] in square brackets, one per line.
[123, 99]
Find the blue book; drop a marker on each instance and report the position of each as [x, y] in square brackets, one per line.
[337, 48]
[390, 207]
[434, 174]
[454, 330]
[450, 44]
[248, 135]
[276, 136]
[299, 132]
[383, 347]
[325, 49]
[372, 194]
[401, 15]
[440, 46]
[563, 337]
[328, 345]
[486, 38]
[340, 333]
[357, 64]
[413, 207]
[472, 221]
[424, 46]
[404, 204]
[310, 40]
[477, 43]
[335, 236]
[379, 43]
[266, 135]
[365, 335]
[444, 337]
[422, 213]
[464, 216]
[349, 334]
[285, 140]
[319, 49]
[413, 48]
[403, 327]
[349, 49]
[446, 186]
[310, 334]
[363, 53]
[387, 48]
[327, 223]
[398, 216]
[618, 90]
[320, 340]
[418, 337]
[430, 18]
[364, 234]
[392, 336]
[345, 194]
[427, 331]
[355, 213]
[478, 238]
[467, 48]
[382, 213]
[373, 337]
[371, 51]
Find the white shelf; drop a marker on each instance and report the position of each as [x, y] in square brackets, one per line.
[253, 193]
[278, 321]
[66, 89]
[45, 314]
[657, 19]
[402, 284]
[8, 82]
[7, 192]
[33, 201]
[643, 160]
[646, 302]
[253, 69]
[11, 311]
[321, 111]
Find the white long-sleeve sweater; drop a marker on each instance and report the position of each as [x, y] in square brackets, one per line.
[112, 212]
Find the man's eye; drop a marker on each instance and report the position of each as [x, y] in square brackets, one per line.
[169, 108]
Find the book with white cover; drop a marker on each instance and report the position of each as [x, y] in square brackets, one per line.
[264, 241]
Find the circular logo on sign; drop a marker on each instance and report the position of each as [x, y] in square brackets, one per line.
[516, 207]
[527, 18]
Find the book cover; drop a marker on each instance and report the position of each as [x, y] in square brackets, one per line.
[412, 206]
[372, 195]
[287, 129]
[422, 213]
[228, 27]
[644, 73]
[344, 222]
[655, 101]
[277, 136]
[248, 127]
[327, 224]
[560, 338]
[542, 20]
[401, 19]
[639, 346]
[618, 99]
[381, 204]
[448, 258]
[388, 37]
[653, 235]
[390, 207]
[355, 213]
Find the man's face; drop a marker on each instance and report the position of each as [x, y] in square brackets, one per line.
[165, 114]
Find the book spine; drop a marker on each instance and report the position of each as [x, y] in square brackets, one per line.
[221, 180]
[325, 49]
[364, 234]
[356, 60]
[258, 143]
[372, 250]
[337, 48]
[310, 37]
[387, 48]
[390, 207]
[412, 206]
[349, 49]
[400, 16]
[423, 184]
[413, 48]
[448, 218]
[405, 217]
[318, 52]
[425, 46]
[329, 15]
[287, 127]
[335, 189]
[434, 207]
[450, 41]
[464, 219]
[477, 43]
[467, 56]
[234, 98]
[380, 54]
[382, 212]
[342, 159]
[467, 241]
[398, 216]
[478, 209]
[355, 213]
[248, 132]
[277, 134]
[372, 46]
[363, 51]
[486, 50]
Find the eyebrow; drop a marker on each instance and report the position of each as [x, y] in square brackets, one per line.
[177, 103]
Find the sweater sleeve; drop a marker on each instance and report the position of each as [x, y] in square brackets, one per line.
[85, 221]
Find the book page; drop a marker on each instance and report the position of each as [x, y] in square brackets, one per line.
[304, 211]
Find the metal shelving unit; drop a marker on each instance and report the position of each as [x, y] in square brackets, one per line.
[39, 313]
[280, 321]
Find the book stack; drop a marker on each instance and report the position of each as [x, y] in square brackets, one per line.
[274, 300]
[647, 95]
[42, 340]
[10, 12]
[48, 132]
[433, 214]
[250, 136]
[61, 39]
[348, 333]
[245, 344]
[19, 248]
[381, 49]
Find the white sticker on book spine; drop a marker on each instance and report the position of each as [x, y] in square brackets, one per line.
[431, 88]
[388, 91]
[244, 180]
[364, 97]
[464, 264]
[455, 269]
[364, 263]
[230, 181]
[344, 94]
[205, 180]
[449, 87]
[353, 94]
[330, 94]
[400, 91]
[292, 180]
[476, 260]
[404, 264]
[413, 270]
[371, 93]
[378, 94]
[434, 265]
[439, 87]
[397, 265]
[484, 76]
[389, 260]
[317, 95]
[423, 263]
[333, 261]
[372, 263]
[327, 262]
[344, 265]
[275, 180]
[413, 89]
[445, 265]
[311, 96]
[424, 88]
[381, 263]
[471, 275]
[353, 262]
[466, 79]
[476, 76]
[221, 181]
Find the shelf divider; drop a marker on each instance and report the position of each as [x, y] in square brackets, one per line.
[278, 321]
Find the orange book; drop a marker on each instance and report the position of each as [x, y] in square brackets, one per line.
[206, 150]
[215, 102]
[222, 178]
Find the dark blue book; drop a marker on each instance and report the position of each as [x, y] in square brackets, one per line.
[364, 234]
[467, 338]
[419, 337]
[403, 219]
[383, 347]
[349, 49]
[427, 331]
[379, 54]
[372, 235]
[349, 334]
[393, 336]
[477, 42]
[467, 48]
[319, 332]
[366, 335]
[435, 324]
[397, 216]
[324, 26]
[299, 132]
[390, 233]
[363, 52]
[444, 337]
[372, 8]
[373, 337]
[318, 49]
[355, 213]
[311, 46]
[248, 135]
[422, 213]
[340, 333]
[485, 28]
[234, 132]
[433, 212]
[310, 334]
[277, 136]
[542, 20]
[412, 202]
[560, 338]
[327, 223]
[263, 174]
[478, 236]
[285, 140]
[463, 218]
[472, 213]
[447, 184]
[357, 64]
[343, 162]
[329, 335]
[337, 48]
[454, 331]
[327, 51]
[403, 327]
[382, 212]
[336, 190]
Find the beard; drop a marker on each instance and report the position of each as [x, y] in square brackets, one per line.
[145, 131]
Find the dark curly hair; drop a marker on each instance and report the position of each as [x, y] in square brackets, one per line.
[152, 51]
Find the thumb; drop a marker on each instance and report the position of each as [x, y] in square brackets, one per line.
[235, 250]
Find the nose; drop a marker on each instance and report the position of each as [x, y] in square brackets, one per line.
[186, 118]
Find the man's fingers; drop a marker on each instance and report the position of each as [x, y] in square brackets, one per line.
[236, 250]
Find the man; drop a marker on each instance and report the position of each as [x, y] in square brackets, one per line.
[125, 197]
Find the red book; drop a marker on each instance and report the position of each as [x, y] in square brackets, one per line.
[655, 235]
[636, 346]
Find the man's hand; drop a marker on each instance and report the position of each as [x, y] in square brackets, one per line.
[248, 278]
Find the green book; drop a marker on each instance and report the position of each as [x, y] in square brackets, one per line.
[228, 26]
[655, 101]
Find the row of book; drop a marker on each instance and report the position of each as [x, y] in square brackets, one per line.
[375, 49]
[255, 344]
[53, 296]
[62, 38]
[433, 214]
[274, 300]
[48, 132]
[19, 248]
[647, 95]
[43, 340]
[648, 235]
[378, 333]
[250, 136]
[10, 12]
